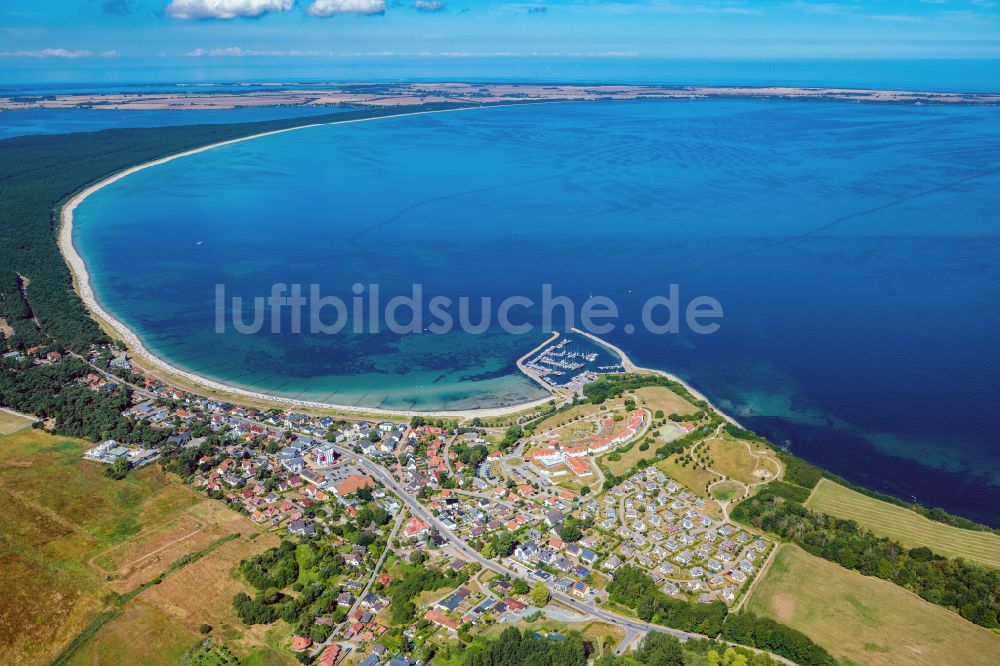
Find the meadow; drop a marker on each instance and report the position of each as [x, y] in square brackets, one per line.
[865, 620]
[11, 422]
[74, 540]
[903, 525]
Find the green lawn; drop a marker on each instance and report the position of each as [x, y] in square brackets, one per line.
[903, 525]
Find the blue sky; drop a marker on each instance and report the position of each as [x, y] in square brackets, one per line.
[74, 39]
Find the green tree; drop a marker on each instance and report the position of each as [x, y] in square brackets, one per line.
[539, 594]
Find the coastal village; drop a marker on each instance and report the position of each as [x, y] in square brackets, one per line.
[542, 507]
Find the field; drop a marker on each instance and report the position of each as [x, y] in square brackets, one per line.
[726, 491]
[73, 538]
[660, 398]
[903, 525]
[11, 422]
[864, 620]
[570, 415]
[630, 458]
[732, 458]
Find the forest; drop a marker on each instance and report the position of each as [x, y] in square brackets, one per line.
[969, 589]
[52, 392]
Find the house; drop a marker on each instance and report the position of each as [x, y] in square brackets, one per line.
[441, 619]
[526, 552]
[304, 528]
[415, 527]
[300, 643]
[353, 484]
[330, 656]
[370, 660]
[453, 600]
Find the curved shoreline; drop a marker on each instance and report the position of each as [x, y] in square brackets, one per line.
[629, 366]
[84, 288]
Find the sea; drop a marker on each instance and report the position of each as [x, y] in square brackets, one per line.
[851, 248]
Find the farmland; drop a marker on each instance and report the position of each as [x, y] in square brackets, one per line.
[74, 539]
[903, 525]
[864, 620]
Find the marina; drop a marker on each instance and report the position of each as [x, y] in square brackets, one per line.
[570, 357]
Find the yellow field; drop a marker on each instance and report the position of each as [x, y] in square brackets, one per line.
[732, 458]
[573, 414]
[661, 398]
[173, 610]
[630, 458]
[903, 525]
[11, 422]
[73, 537]
[863, 619]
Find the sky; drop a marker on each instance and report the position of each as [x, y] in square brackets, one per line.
[132, 40]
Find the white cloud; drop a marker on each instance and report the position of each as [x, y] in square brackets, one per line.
[46, 53]
[331, 7]
[237, 52]
[225, 9]
[428, 5]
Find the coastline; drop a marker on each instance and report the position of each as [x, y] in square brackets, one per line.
[632, 367]
[84, 288]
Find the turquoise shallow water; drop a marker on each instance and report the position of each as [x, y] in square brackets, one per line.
[853, 247]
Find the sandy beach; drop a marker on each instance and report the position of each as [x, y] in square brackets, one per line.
[83, 286]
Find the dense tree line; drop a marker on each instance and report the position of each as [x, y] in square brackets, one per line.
[53, 392]
[613, 385]
[760, 632]
[40, 172]
[971, 590]
[632, 587]
[514, 648]
[274, 568]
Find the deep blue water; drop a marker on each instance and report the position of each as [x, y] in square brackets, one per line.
[853, 247]
[64, 121]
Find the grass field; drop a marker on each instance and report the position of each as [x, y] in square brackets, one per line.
[865, 620]
[732, 458]
[903, 525]
[630, 458]
[11, 422]
[73, 538]
[727, 490]
[661, 398]
[569, 416]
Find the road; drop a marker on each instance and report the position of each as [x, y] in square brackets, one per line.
[371, 581]
[378, 473]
